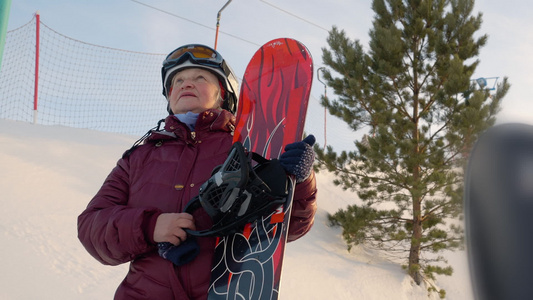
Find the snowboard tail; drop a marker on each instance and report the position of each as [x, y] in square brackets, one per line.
[271, 114]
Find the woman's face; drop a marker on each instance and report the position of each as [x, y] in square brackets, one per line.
[194, 90]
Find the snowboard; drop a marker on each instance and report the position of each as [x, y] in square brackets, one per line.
[271, 114]
[499, 213]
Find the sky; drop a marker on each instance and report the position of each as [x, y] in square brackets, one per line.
[159, 26]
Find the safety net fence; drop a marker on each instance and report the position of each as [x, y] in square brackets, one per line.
[78, 84]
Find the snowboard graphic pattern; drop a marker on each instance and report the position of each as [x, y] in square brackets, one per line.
[271, 114]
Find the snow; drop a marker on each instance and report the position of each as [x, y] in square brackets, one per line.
[49, 174]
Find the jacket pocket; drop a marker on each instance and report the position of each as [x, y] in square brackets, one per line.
[138, 284]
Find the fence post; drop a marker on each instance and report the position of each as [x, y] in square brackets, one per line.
[36, 83]
[5, 6]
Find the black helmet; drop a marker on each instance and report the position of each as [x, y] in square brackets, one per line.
[200, 56]
[238, 193]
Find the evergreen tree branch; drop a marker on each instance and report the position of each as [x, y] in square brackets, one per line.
[407, 90]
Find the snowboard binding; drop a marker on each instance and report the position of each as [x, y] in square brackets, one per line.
[238, 192]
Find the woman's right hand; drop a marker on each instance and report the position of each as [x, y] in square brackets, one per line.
[169, 227]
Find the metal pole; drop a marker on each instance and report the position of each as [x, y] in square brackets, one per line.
[5, 6]
[36, 82]
[325, 96]
[218, 22]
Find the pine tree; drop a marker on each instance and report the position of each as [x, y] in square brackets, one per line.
[413, 94]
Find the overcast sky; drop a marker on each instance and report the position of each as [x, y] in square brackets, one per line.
[246, 24]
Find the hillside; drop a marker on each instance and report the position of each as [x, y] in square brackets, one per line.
[48, 175]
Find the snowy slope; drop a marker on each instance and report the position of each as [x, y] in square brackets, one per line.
[49, 173]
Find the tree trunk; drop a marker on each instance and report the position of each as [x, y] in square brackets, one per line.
[414, 252]
[416, 238]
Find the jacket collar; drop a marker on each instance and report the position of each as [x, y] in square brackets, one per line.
[209, 120]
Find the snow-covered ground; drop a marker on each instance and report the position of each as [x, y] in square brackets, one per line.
[48, 174]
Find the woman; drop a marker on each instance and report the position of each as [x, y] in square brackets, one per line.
[141, 202]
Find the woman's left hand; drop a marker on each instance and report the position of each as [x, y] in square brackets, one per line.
[298, 158]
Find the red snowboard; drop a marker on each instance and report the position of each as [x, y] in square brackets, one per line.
[271, 114]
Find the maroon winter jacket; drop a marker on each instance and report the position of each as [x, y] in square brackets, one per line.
[161, 176]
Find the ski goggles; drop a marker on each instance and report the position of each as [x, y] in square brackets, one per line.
[192, 55]
[199, 54]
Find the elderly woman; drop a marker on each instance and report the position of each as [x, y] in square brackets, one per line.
[141, 203]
